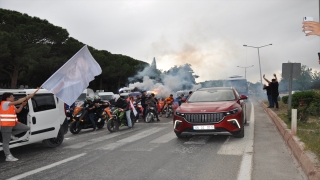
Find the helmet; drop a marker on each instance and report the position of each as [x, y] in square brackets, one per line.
[97, 98]
[88, 98]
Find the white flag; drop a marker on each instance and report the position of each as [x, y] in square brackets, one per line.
[68, 82]
[133, 109]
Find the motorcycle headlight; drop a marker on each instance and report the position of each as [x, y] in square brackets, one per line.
[78, 115]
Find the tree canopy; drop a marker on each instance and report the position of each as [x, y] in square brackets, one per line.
[32, 49]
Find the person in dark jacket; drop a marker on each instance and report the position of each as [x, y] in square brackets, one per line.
[152, 101]
[269, 95]
[274, 84]
[143, 103]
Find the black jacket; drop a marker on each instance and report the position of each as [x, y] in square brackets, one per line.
[122, 103]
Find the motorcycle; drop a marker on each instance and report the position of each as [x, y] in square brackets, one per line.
[119, 119]
[169, 110]
[81, 120]
[151, 114]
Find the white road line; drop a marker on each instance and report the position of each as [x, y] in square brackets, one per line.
[23, 175]
[111, 146]
[246, 163]
[198, 140]
[165, 138]
[92, 141]
[133, 138]
[234, 146]
[141, 135]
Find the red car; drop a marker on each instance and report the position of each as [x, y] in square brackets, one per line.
[211, 111]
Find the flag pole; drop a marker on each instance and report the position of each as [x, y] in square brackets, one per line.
[35, 92]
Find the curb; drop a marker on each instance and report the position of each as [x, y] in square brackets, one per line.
[295, 145]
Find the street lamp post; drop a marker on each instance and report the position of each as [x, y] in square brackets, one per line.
[258, 57]
[245, 70]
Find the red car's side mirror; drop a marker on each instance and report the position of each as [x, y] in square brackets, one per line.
[243, 97]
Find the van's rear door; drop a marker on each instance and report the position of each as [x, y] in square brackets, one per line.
[44, 117]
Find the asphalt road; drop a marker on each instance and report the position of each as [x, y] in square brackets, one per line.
[152, 151]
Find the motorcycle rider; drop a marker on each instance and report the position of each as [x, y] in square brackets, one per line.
[123, 104]
[137, 101]
[91, 111]
[169, 100]
[143, 103]
[98, 103]
[152, 101]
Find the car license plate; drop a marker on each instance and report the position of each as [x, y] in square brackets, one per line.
[207, 127]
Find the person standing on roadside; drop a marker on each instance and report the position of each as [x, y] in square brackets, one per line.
[9, 121]
[274, 84]
[269, 95]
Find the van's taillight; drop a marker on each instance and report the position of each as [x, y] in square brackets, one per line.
[65, 109]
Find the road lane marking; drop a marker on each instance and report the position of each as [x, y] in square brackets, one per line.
[23, 175]
[130, 139]
[111, 146]
[92, 141]
[234, 146]
[141, 135]
[165, 138]
[246, 163]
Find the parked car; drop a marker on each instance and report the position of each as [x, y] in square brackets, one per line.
[44, 114]
[211, 111]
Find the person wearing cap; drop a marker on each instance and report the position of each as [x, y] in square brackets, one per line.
[167, 101]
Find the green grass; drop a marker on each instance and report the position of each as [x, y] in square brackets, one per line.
[308, 132]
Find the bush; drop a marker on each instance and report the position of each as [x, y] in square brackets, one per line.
[285, 99]
[304, 98]
[314, 108]
[306, 103]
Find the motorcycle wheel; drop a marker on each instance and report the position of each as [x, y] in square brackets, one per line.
[111, 126]
[74, 129]
[100, 125]
[167, 114]
[148, 118]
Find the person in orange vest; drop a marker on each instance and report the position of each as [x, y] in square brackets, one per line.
[9, 121]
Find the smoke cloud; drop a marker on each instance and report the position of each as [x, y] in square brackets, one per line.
[165, 83]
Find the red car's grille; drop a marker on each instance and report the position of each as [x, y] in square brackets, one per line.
[204, 117]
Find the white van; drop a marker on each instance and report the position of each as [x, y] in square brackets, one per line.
[106, 96]
[44, 114]
[86, 93]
